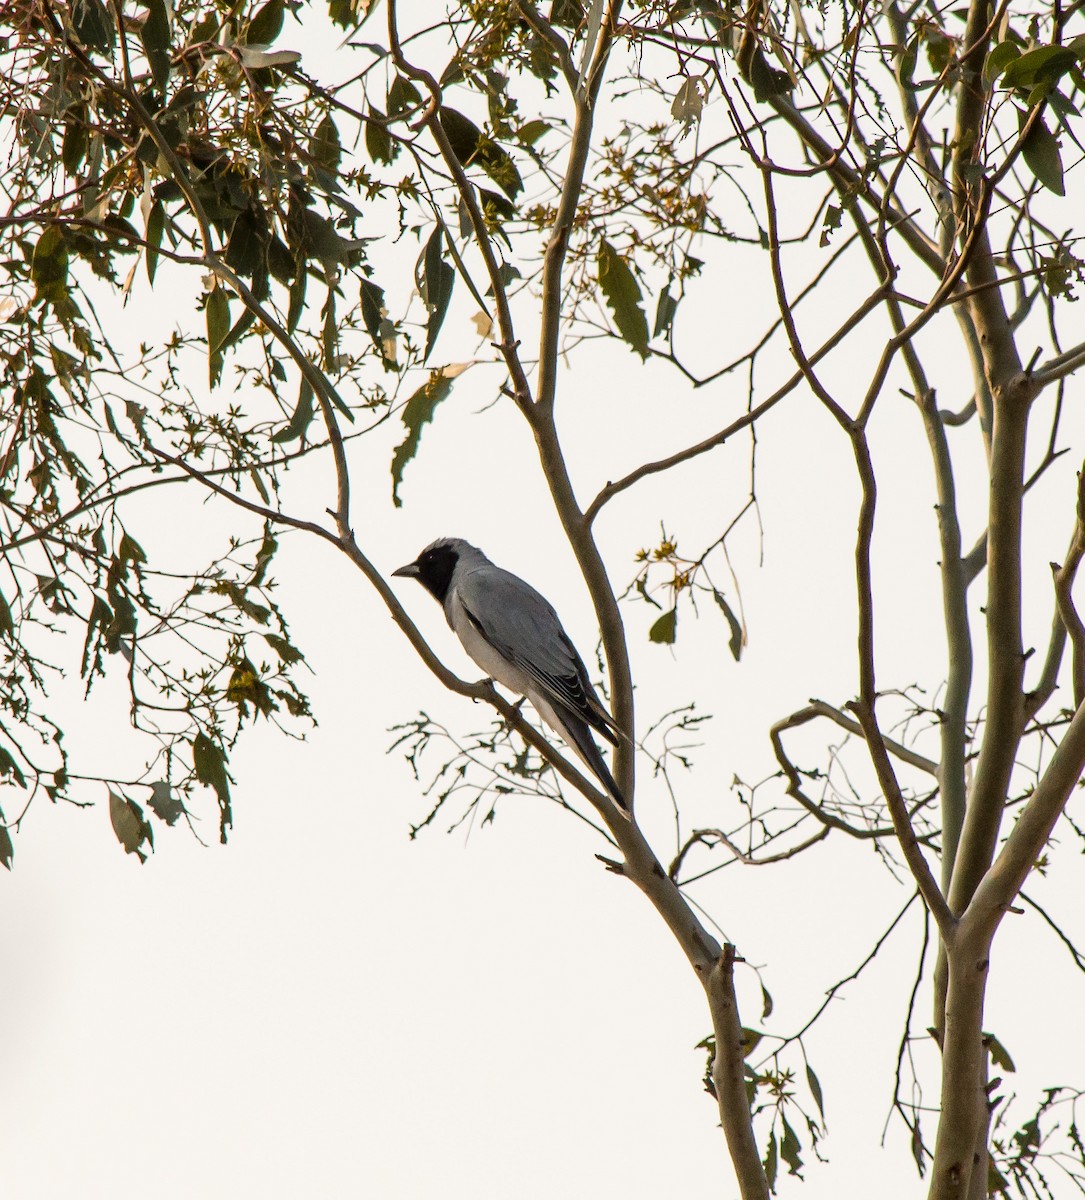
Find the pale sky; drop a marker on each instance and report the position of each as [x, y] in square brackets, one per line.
[325, 1008]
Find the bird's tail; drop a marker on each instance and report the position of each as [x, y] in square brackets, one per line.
[578, 735]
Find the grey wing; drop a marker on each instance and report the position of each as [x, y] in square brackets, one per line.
[523, 626]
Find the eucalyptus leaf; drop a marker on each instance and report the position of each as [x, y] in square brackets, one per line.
[623, 295]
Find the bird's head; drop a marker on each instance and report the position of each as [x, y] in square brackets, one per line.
[434, 567]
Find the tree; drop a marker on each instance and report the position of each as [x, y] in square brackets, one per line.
[908, 163]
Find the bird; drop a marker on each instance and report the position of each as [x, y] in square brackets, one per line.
[515, 636]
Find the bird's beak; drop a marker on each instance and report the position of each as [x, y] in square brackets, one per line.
[410, 571]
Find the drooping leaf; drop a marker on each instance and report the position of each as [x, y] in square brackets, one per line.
[750, 1040]
[473, 148]
[92, 24]
[1000, 1056]
[665, 628]
[435, 279]
[7, 850]
[906, 62]
[766, 1003]
[266, 26]
[372, 300]
[155, 36]
[209, 762]
[666, 307]
[417, 412]
[130, 825]
[771, 1162]
[329, 334]
[790, 1148]
[766, 80]
[296, 304]
[738, 638]
[324, 146]
[688, 102]
[7, 625]
[156, 222]
[287, 653]
[246, 247]
[1044, 65]
[164, 802]
[9, 768]
[999, 59]
[302, 418]
[74, 145]
[378, 141]
[49, 266]
[218, 326]
[814, 1085]
[1040, 150]
[530, 132]
[403, 96]
[623, 296]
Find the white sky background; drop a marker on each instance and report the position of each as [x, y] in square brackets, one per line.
[325, 1008]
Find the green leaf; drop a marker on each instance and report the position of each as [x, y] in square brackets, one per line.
[49, 266]
[999, 59]
[155, 36]
[530, 132]
[1043, 66]
[297, 298]
[246, 246]
[402, 95]
[129, 825]
[287, 653]
[9, 767]
[494, 206]
[750, 1040]
[1040, 151]
[623, 295]
[73, 148]
[474, 148]
[329, 334]
[266, 26]
[435, 279]
[907, 61]
[770, 1162]
[417, 412]
[665, 628]
[766, 1003]
[7, 625]
[790, 1148]
[303, 416]
[130, 551]
[378, 141]
[666, 307]
[738, 639]
[1000, 1056]
[164, 803]
[834, 214]
[372, 298]
[766, 80]
[156, 223]
[814, 1085]
[218, 326]
[325, 147]
[92, 25]
[7, 850]
[209, 762]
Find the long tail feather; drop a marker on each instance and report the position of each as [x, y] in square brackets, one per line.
[578, 735]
